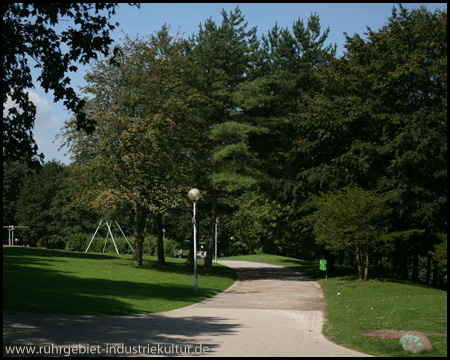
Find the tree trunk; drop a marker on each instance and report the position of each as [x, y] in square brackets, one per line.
[366, 265]
[415, 267]
[434, 282]
[139, 218]
[359, 264]
[352, 259]
[212, 225]
[190, 257]
[159, 232]
[404, 267]
[330, 258]
[428, 275]
[341, 257]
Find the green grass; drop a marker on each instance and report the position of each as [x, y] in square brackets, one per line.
[376, 304]
[51, 281]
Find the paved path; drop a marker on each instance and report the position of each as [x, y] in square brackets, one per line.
[269, 311]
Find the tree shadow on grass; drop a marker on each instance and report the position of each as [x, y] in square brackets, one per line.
[22, 254]
[32, 284]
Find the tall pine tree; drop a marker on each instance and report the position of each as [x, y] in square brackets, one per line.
[222, 57]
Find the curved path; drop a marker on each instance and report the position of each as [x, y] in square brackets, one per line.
[269, 311]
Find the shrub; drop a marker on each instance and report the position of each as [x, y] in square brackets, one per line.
[151, 246]
[80, 242]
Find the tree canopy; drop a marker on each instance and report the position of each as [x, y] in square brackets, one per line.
[30, 36]
[275, 132]
[137, 159]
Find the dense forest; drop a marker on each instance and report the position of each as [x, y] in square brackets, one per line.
[295, 151]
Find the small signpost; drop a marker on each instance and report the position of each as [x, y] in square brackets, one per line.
[323, 267]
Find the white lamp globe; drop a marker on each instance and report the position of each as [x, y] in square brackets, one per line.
[194, 194]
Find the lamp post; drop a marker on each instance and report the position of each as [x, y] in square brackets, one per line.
[194, 195]
[215, 238]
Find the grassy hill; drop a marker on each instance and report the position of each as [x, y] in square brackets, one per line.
[52, 281]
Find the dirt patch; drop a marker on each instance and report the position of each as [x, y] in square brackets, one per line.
[392, 333]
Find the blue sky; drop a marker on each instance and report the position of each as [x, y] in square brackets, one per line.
[340, 17]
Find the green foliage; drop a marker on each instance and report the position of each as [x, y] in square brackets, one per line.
[30, 32]
[142, 106]
[14, 173]
[260, 124]
[383, 119]
[39, 206]
[353, 219]
[440, 253]
[290, 61]
[171, 247]
[380, 122]
[222, 57]
[80, 241]
[260, 224]
[138, 158]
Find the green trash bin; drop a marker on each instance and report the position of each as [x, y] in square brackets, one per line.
[323, 267]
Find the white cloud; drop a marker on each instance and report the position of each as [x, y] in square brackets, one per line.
[47, 125]
[46, 117]
[45, 113]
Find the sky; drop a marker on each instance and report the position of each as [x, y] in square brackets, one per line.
[352, 18]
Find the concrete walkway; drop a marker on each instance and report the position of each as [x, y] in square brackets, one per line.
[269, 311]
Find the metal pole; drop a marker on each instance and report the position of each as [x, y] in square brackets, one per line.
[95, 233]
[112, 237]
[106, 240]
[215, 241]
[124, 235]
[194, 222]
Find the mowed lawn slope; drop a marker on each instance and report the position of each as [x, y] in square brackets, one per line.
[52, 281]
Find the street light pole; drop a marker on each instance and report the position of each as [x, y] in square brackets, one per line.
[194, 195]
[194, 223]
[215, 240]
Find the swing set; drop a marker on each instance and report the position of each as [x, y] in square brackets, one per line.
[109, 225]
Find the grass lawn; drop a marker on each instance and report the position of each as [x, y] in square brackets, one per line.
[52, 281]
[376, 304]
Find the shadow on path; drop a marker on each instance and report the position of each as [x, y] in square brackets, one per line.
[149, 329]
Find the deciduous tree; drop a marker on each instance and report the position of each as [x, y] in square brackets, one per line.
[353, 219]
[139, 154]
[30, 35]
